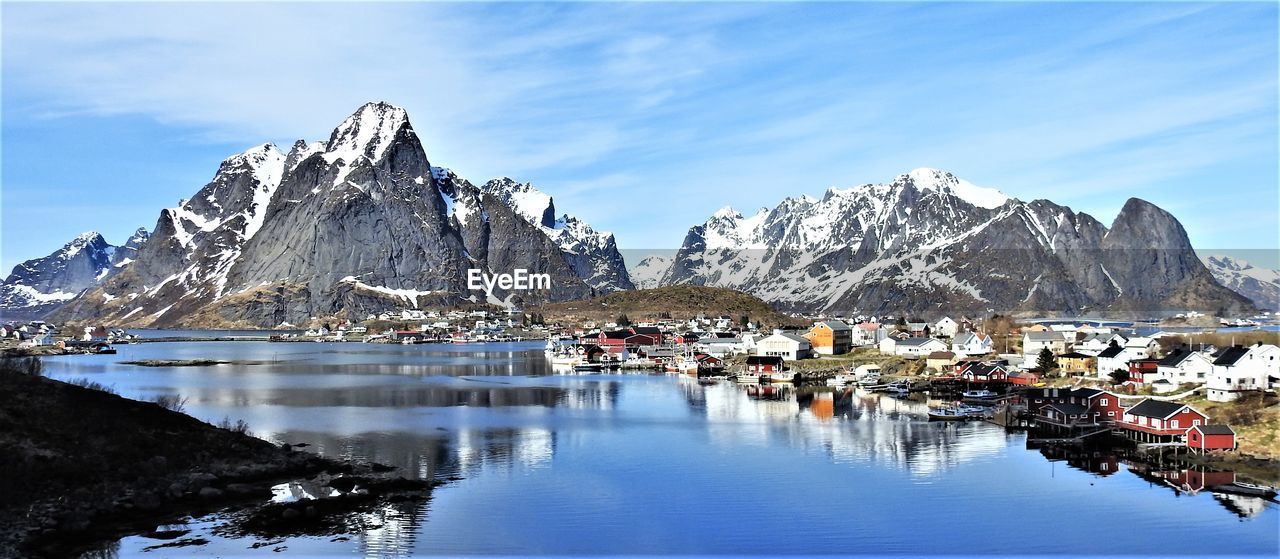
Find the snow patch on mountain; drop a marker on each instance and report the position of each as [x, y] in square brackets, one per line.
[648, 272]
[1260, 285]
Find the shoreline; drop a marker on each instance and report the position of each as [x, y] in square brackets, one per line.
[72, 486]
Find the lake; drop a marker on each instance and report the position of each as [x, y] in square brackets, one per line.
[656, 464]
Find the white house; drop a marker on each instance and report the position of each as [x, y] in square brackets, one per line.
[915, 347]
[721, 347]
[1094, 342]
[946, 327]
[1033, 342]
[1114, 357]
[1184, 365]
[1141, 347]
[867, 334]
[789, 347]
[971, 343]
[1238, 369]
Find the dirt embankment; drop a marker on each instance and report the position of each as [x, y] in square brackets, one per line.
[80, 466]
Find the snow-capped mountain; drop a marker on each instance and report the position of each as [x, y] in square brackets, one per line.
[38, 286]
[930, 243]
[358, 224]
[649, 271]
[1260, 285]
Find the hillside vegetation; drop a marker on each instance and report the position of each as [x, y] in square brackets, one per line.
[677, 302]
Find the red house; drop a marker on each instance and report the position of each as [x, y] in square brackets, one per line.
[982, 372]
[764, 364]
[1211, 437]
[1078, 408]
[687, 338]
[653, 333]
[1024, 378]
[1155, 421]
[613, 341]
[1143, 370]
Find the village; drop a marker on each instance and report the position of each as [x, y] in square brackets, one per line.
[1069, 381]
[1073, 380]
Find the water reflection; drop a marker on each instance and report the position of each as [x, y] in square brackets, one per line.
[563, 456]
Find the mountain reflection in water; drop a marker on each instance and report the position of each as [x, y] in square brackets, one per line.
[542, 463]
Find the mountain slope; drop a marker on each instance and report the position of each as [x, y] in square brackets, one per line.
[39, 286]
[358, 224]
[1260, 285]
[929, 243]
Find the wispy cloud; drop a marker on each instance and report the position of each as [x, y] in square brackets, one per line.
[644, 118]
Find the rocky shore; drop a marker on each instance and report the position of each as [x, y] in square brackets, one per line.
[81, 467]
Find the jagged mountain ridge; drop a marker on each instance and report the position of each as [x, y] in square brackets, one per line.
[930, 243]
[356, 224]
[1260, 285]
[40, 285]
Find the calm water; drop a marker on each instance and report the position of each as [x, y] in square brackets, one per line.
[657, 464]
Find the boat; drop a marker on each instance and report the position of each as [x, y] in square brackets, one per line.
[841, 380]
[979, 396]
[947, 414]
[747, 378]
[686, 365]
[1246, 489]
[780, 376]
[588, 367]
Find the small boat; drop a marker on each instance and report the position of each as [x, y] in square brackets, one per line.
[841, 380]
[781, 376]
[588, 367]
[747, 378]
[986, 397]
[1246, 489]
[947, 414]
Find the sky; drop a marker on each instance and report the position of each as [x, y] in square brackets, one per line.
[642, 118]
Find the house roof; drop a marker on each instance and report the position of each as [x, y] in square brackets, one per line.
[1175, 357]
[1215, 429]
[983, 369]
[617, 334]
[764, 360]
[869, 326]
[1074, 355]
[1229, 355]
[941, 355]
[1045, 336]
[647, 330]
[1155, 408]
[834, 324]
[970, 337]
[1068, 408]
[916, 341]
[1111, 351]
[1086, 392]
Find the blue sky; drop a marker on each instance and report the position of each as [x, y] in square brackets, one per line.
[644, 119]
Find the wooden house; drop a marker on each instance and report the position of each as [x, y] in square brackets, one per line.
[1211, 437]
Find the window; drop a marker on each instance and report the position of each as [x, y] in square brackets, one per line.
[1195, 422]
[1103, 401]
[1175, 424]
[1111, 414]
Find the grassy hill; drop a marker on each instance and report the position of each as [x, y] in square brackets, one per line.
[678, 302]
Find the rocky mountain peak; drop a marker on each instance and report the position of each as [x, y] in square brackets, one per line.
[367, 132]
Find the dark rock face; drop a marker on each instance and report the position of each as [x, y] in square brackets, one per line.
[356, 225]
[930, 244]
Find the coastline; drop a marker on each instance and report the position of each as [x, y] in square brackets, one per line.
[71, 484]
